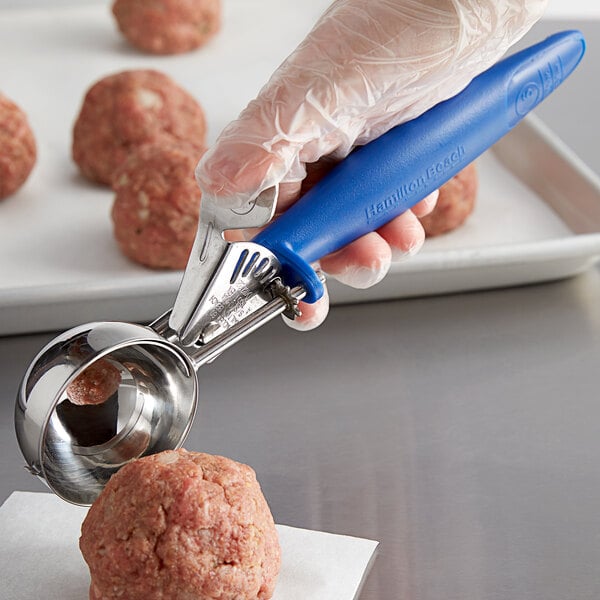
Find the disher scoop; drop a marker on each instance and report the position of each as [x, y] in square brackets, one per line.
[230, 289]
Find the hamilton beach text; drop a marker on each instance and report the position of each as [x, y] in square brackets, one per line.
[408, 190]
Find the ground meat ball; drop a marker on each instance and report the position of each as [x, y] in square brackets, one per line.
[157, 203]
[168, 26]
[96, 384]
[125, 110]
[181, 525]
[17, 147]
[455, 203]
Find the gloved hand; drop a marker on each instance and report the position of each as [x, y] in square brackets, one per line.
[364, 68]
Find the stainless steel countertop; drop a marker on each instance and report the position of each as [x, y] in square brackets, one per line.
[460, 431]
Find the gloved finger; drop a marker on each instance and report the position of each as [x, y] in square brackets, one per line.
[288, 194]
[425, 206]
[366, 261]
[312, 314]
[247, 158]
[362, 263]
[392, 60]
[405, 234]
[233, 164]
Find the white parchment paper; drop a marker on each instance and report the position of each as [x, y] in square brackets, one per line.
[40, 558]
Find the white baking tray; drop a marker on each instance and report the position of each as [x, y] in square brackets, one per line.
[537, 218]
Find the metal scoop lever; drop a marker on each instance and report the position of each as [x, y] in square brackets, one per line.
[223, 283]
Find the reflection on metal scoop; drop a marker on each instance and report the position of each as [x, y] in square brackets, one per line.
[231, 289]
[89, 425]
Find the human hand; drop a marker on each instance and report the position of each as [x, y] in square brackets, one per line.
[363, 69]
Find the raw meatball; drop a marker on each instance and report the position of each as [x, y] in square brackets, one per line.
[181, 525]
[157, 203]
[455, 203]
[17, 147]
[96, 384]
[168, 26]
[125, 110]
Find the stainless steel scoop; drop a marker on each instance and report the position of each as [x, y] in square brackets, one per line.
[75, 449]
[230, 289]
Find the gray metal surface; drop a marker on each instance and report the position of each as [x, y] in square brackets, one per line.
[461, 431]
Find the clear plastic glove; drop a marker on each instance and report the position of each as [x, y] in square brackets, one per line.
[363, 69]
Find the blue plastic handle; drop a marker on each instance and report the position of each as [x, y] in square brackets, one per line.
[382, 179]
